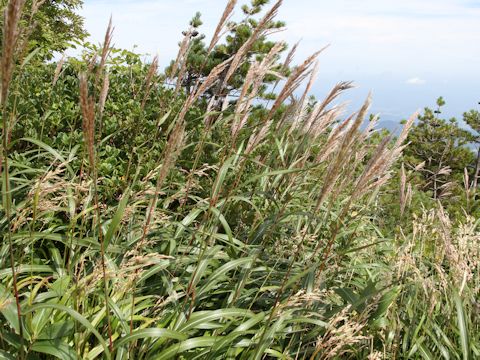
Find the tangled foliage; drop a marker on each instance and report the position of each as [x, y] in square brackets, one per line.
[142, 219]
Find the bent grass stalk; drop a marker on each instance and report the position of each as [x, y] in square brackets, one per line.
[11, 33]
[291, 181]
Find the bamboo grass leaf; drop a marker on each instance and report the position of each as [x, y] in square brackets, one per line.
[115, 222]
[193, 343]
[8, 308]
[52, 152]
[75, 315]
[200, 317]
[6, 356]
[154, 333]
[57, 349]
[462, 327]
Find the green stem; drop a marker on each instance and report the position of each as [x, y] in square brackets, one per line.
[7, 199]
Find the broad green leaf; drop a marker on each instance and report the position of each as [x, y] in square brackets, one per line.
[384, 303]
[201, 317]
[221, 176]
[78, 317]
[58, 349]
[426, 354]
[8, 308]
[57, 330]
[112, 227]
[220, 272]
[6, 356]
[175, 350]
[462, 327]
[52, 151]
[150, 333]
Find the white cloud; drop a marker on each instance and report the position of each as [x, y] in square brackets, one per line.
[416, 81]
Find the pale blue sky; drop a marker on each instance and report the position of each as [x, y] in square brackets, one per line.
[407, 52]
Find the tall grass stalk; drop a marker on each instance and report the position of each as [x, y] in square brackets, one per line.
[192, 224]
[11, 34]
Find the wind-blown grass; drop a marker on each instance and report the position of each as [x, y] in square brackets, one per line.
[270, 249]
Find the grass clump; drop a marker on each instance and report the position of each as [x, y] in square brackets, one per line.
[148, 221]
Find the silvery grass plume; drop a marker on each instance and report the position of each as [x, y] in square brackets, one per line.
[334, 139]
[219, 32]
[48, 193]
[298, 75]
[227, 13]
[405, 190]
[260, 30]
[180, 64]
[251, 86]
[292, 83]
[210, 80]
[257, 137]
[286, 64]
[182, 71]
[311, 126]
[92, 62]
[317, 124]
[343, 154]
[106, 49]
[336, 91]
[11, 35]
[455, 259]
[314, 126]
[377, 172]
[303, 102]
[29, 28]
[103, 94]
[343, 333]
[87, 105]
[460, 249]
[152, 71]
[58, 70]
[102, 70]
[36, 5]
[180, 56]
[320, 117]
[466, 182]
[289, 57]
[371, 127]
[171, 152]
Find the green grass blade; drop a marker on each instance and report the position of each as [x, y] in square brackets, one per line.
[52, 151]
[8, 308]
[6, 356]
[112, 228]
[201, 317]
[462, 327]
[198, 342]
[78, 317]
[150, 333]
[58, 349]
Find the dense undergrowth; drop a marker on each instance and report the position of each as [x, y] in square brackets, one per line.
[143, 221]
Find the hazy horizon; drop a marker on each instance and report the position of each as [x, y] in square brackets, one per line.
[408, 54]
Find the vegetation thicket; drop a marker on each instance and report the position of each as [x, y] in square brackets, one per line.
[217, 210]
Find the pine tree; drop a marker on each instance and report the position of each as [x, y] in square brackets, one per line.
[200, 61]
[438, 150]
[472, 118]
